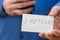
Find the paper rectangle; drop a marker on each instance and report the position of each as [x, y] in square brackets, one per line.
[37, 23]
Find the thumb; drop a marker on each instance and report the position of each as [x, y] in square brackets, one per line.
[54, 11]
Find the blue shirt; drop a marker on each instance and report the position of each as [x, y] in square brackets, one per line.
[10, 26]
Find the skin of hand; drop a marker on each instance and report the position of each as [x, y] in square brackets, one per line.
[55, 34]
[17, 7]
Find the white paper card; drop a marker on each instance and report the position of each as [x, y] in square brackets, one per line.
[37, 23]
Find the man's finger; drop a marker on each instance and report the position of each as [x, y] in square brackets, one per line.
[56, 33]
[46, 35]
[42, 35]
[49, 36]
[54, 11]
[28, 10]
[20, 12]
[22, 5]
[16, 1]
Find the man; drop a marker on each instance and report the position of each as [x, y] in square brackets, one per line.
[11, 14]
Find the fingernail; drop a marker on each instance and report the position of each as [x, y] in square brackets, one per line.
[33, 1]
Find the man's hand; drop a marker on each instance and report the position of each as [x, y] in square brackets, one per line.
[18, 7]
[55, 35]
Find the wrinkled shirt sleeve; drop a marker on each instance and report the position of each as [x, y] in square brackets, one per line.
[58, 3]
[2, 13]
